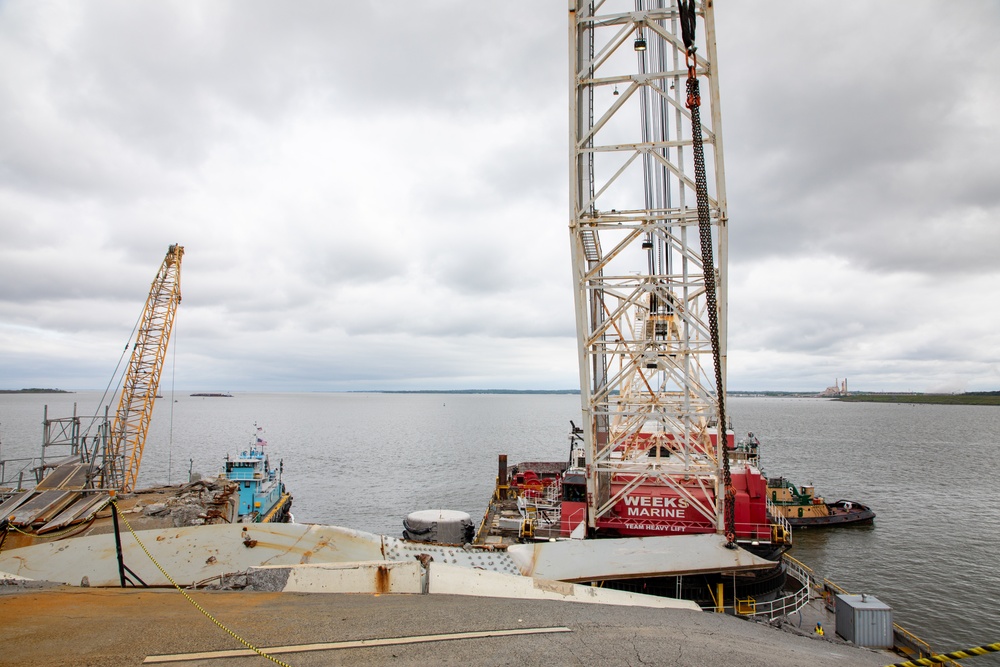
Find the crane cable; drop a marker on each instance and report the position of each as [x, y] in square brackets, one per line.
[688, 18]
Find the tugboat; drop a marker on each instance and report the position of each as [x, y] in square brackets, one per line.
[800, 506]
[262, 495]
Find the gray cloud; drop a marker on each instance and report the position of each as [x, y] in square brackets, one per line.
[374, 194]
[860, 131]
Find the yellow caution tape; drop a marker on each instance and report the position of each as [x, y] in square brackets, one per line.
[190, 599]
[941, 658]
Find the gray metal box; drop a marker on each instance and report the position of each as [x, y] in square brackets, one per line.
[864, 620]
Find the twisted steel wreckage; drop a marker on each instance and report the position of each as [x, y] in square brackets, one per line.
[76, 479]
[655, 496]
[74, 486]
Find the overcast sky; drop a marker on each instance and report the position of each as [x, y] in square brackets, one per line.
[373, 195]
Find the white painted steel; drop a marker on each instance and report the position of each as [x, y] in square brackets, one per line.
[632, 557]
[201, 553]
[644, 345]
[364, 577]
[480, 559]
[454, 580]
[438, 578]
[190, 554]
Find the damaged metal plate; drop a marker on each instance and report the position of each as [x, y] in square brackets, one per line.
[66, 476]
[14, 502]
[632, 557]
[199, 553]
[43, 506]
[82, 510]
[190, 554]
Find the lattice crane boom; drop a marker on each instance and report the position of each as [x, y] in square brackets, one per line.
[645, 353]
[142, 377]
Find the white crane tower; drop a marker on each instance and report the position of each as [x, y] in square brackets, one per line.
[644, 343]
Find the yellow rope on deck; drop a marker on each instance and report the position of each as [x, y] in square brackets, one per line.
[18, 530]
[942, 658]
[190, 599]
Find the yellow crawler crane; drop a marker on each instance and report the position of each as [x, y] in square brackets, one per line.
[142, 377]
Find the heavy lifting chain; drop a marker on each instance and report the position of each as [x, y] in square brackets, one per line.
[688, 18]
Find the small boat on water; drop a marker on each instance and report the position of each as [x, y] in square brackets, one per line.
[802, 508]
[799, 505]
[262, 495]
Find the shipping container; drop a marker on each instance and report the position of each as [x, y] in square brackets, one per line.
[864, 620]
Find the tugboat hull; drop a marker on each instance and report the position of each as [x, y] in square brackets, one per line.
[840, 513]
[802, 508]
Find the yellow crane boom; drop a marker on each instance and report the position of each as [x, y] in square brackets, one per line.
[142, 377]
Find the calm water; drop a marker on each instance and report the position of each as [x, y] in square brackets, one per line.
[367, 460]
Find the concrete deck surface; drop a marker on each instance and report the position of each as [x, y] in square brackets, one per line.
[112, 627]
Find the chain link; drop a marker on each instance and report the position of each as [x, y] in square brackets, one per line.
[708, 266]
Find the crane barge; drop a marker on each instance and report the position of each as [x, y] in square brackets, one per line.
[654, 455]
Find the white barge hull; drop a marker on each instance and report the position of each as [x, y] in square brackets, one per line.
[195, 554]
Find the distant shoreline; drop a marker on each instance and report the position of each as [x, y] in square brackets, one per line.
[970, 398]
[34, 390]
[466, 391]
[976, 398]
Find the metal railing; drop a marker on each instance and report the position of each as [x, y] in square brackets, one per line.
[27, 465]
[498, 494]
[904, 642]
[785, 605]
[778, 520]
[910, 645]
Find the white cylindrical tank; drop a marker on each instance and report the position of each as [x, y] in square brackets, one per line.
[438, 526]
